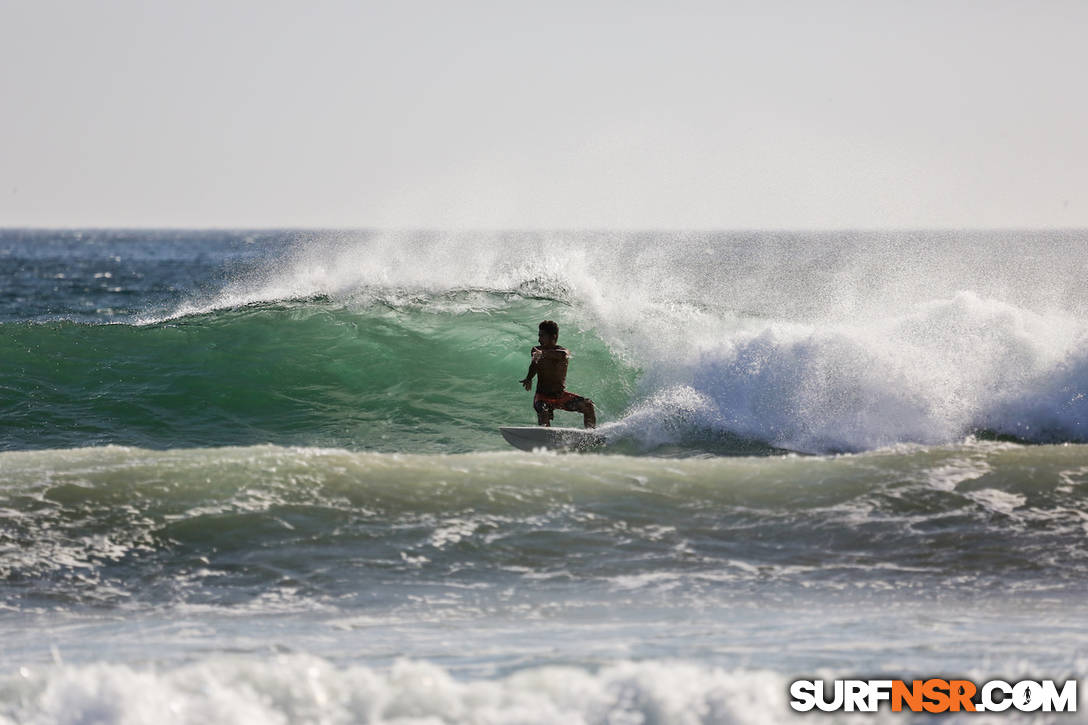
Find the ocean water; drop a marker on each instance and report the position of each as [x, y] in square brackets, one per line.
[255, 477]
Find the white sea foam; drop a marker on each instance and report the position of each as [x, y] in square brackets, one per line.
[928, 375]
[305, 689]
[301, 689]
[999, 501]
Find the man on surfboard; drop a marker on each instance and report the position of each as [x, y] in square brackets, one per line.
[549, 364]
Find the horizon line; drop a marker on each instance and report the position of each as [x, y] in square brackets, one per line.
[553, 230]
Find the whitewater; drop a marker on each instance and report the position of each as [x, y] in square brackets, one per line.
[256, 476]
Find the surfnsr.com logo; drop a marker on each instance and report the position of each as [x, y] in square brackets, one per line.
[933, 695]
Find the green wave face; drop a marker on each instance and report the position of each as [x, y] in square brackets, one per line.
[421, 376]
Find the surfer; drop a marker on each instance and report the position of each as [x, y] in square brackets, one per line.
[549, 364]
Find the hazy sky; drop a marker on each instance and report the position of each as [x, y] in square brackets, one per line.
[561, 114]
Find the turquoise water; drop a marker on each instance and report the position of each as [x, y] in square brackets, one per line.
[316, 372]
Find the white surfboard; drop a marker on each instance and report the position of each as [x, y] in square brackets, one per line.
[531, 437]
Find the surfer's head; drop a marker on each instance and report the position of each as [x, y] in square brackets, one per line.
[549, 333]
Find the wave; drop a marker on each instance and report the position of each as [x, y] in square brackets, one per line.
[419, 373]
[689, 344]
[423, 371]
[131, 527]
[932, 374]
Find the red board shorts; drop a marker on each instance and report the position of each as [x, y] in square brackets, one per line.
[564, 401]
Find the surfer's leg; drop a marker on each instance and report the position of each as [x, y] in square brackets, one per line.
[589, 414]
[543, 413]
[578, 404]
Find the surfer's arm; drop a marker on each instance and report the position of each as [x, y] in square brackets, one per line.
[528, 381]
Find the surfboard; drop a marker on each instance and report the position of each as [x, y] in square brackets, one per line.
[531, 437]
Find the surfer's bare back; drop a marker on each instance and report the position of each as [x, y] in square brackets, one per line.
[549, 365]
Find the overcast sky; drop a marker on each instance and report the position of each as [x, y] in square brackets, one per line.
[469, 114]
